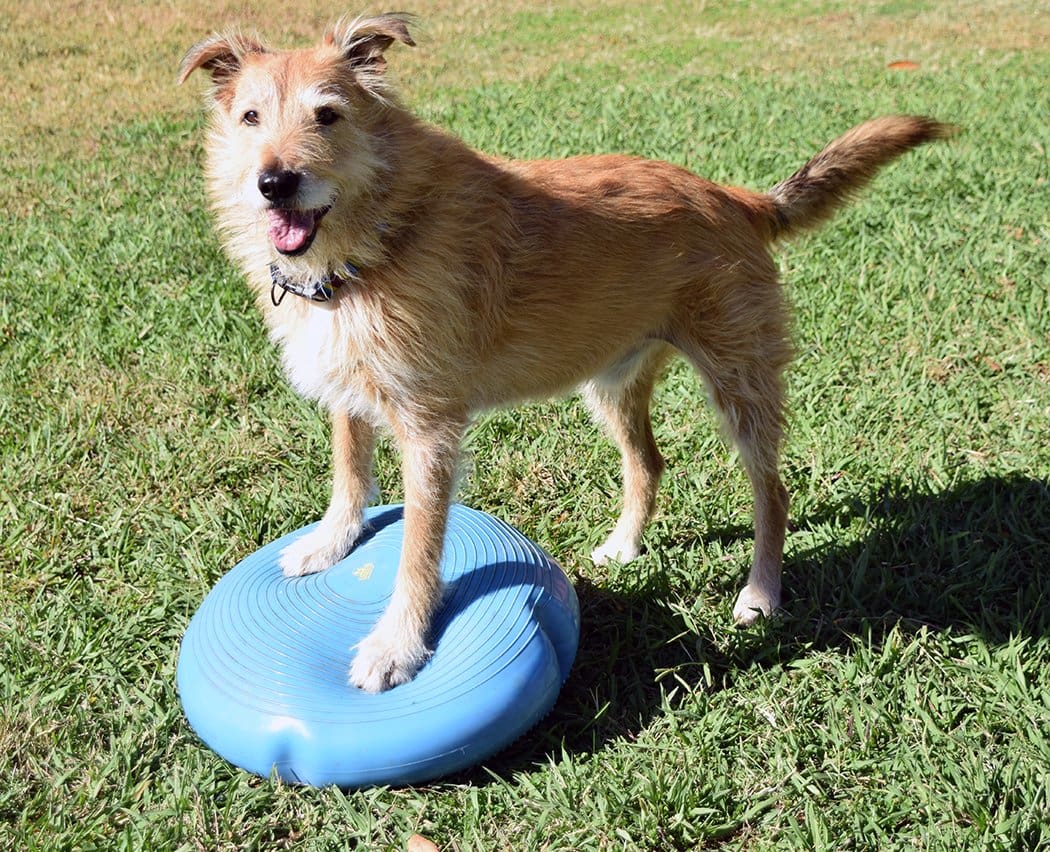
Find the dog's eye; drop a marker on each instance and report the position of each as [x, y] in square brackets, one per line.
[326, 116]
[251, 118]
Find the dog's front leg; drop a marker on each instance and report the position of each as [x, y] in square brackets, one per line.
[397, 646]
[353, 441]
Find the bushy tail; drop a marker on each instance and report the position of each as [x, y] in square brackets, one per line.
[813, 193]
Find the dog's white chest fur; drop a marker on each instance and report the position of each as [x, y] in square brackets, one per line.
[308, 352]
[321, 354]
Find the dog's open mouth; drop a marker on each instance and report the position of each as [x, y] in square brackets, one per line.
[292, 231]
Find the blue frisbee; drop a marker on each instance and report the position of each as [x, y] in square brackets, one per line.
[262, 672]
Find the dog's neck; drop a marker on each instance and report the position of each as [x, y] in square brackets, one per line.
[319, 290]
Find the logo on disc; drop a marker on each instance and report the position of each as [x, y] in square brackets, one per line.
[365, 571]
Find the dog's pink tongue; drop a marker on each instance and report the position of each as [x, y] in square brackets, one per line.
[290, 229]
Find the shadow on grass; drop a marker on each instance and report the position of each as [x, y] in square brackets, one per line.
[972, 560]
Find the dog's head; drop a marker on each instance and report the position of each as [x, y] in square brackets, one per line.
[293, 131]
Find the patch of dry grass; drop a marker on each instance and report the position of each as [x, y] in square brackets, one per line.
[108, 62]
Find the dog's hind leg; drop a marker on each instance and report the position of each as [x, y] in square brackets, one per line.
[619, 398]
[353, 441]
[397, 646]
[743, 370]
[756, 428]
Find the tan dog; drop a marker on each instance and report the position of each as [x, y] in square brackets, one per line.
[428, 281]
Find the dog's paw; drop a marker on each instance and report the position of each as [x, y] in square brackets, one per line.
[616, 549]
[318, 550]
[753, 603]
[387, 657]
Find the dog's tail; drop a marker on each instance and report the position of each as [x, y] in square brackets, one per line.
[813, 193]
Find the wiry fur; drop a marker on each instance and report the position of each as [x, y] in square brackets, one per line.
[813, 193]
[484, 282]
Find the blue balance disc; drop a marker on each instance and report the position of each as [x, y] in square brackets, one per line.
[262, 671]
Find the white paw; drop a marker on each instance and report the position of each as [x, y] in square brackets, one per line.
[318, 550]
[616, 549]
[753, 603]
[387, 657]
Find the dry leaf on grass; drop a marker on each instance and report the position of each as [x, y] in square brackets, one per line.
[418, 843]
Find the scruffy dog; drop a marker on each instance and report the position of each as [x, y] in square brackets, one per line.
[411, 281]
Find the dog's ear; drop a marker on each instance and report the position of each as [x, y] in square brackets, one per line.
[220, 55]
[363, 41]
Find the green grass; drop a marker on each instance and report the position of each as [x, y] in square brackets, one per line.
[902, 700]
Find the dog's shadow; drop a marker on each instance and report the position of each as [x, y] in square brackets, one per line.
[972, 559]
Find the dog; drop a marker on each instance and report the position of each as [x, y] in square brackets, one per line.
[411, 282]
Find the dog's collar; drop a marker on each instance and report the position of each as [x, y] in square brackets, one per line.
[321, 290]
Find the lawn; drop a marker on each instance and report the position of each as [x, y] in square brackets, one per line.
[148, 442]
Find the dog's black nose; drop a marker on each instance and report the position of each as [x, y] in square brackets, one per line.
[278, 185]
